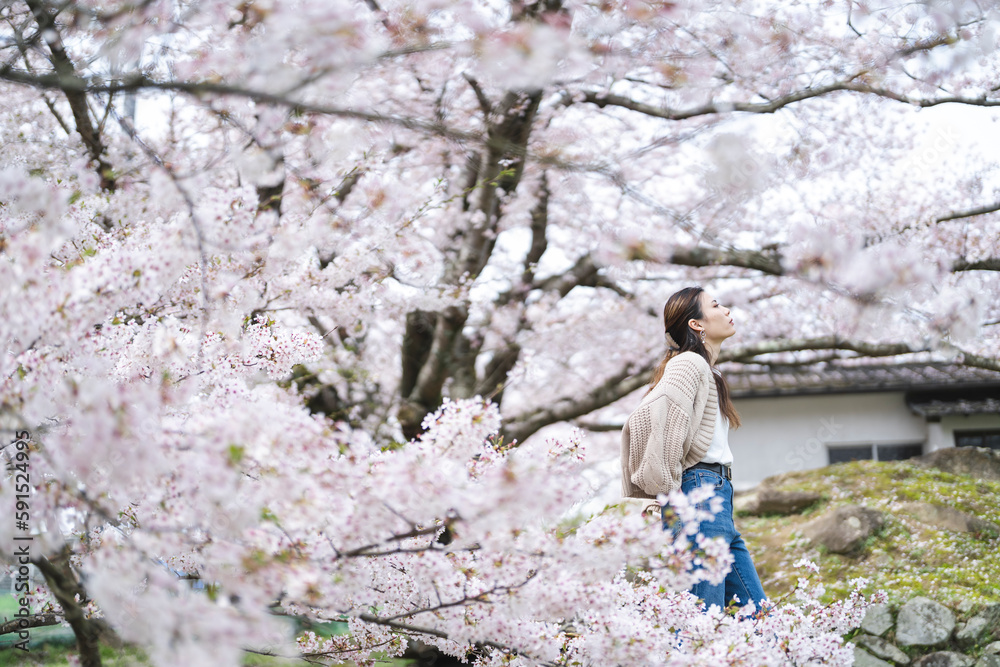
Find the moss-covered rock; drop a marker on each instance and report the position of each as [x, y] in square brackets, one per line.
[908, 556]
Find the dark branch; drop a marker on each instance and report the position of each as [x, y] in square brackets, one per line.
[971, 213]
[821, 343]
[595, 427]
[72, 83]
[484, 102]
[602, 100]
[765, 261]
[461, 602]
[976, 361]
[33, 621]
[432, 632]
[585, 273]
[539, 227]
[64, 69]
[565, 409]
[989, 264]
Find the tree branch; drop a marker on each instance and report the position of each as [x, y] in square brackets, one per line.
[595, 427]
[989, 264]
[33, 621]
[23, 48]
[72, 83]
[746, 354]
[77, 99]
[368, 549]
[585, 273]
[480, 597]
[499, 366]
[428, 347]
[832, 342]
[977, 361]
[503, 360]
[484, 102]
[614, 388]
[971, 213]
[434, 372]
[765, 261]
[602, 100]
[406, 627]
[539, 229]
[959, 215]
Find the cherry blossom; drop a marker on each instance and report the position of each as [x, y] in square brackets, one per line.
[303, 303]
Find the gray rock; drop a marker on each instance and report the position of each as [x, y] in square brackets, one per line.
[943, 659]
[969, 633]
[878, 619]
[844, 529]
[865, 659]
[984, 626]
[990, 660]
[745, 502]
[923, 622]
[991, 615]
[992, 648]
[978, 462]
[772, 501]
[949, 518]
[883, 649]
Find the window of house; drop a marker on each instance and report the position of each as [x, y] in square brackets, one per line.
[845, 454]
[988, 438]
[898, 452]
[873, 452]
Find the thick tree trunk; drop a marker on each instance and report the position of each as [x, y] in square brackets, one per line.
[62, 581]
[435, 347]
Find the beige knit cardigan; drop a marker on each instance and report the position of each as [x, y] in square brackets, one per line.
[671, 429]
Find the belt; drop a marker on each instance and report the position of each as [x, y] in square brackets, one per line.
[724, 471]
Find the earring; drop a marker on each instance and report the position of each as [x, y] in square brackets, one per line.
[703, 337]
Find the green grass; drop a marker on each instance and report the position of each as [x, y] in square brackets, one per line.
[56, 655]
[907, 557]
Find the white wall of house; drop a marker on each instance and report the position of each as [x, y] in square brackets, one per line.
[788, 433]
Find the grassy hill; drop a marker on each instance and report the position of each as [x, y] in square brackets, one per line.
[907, 557]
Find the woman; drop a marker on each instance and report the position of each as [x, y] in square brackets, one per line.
[678, 437]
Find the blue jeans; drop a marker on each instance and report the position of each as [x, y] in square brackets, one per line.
[742, 580]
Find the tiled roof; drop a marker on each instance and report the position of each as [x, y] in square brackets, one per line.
[962, 406]
[843, 376]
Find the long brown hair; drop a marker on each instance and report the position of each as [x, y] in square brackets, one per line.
[681, 307]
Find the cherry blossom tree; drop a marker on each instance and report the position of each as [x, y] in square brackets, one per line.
[290, 290]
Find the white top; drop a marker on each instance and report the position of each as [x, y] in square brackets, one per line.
[718, 451]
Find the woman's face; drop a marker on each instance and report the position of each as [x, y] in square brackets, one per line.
[717, 322]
